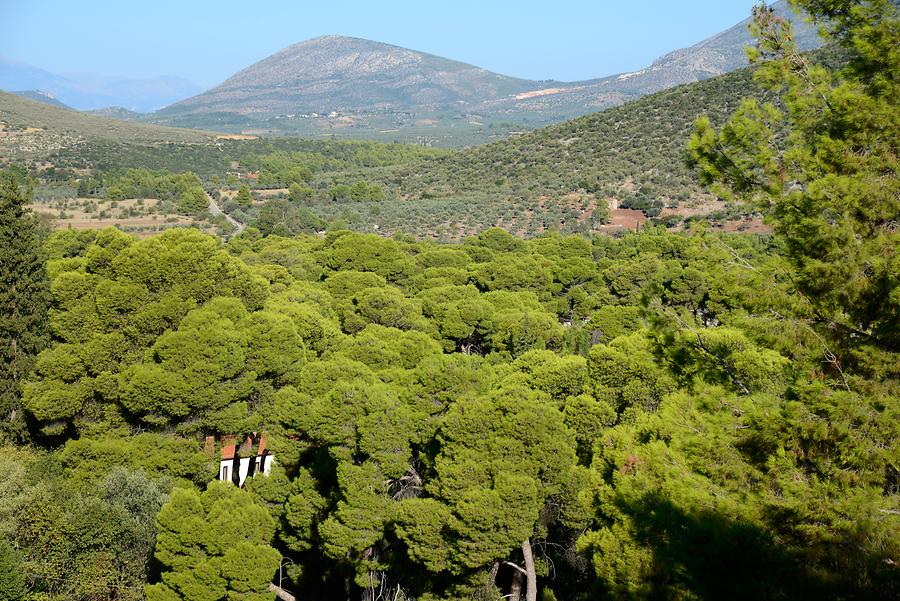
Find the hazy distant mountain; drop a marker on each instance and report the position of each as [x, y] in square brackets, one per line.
[116, 112]
[85, 91]
[722, 53]
[336, 73]
[40, 96]
[20, 76]
[340, 86]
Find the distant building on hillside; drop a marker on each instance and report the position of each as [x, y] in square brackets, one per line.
[254, 175]
[239, 460]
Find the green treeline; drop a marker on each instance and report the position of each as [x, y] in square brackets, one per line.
[281, 167]
[658, 398]
[276, 159]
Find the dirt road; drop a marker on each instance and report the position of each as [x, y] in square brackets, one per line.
[215, 210]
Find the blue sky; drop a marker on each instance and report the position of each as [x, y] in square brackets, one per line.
[207, 41]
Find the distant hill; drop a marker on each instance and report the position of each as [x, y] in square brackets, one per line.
[635, 148]
[336, 73]
[87, 91]
[631, 156]
[40, 96]
[32, 131]
[18, 112]
[116, 112]
[349, 87]
[343, 87]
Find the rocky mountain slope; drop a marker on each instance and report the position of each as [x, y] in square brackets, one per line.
[350, 87]
[41, 96]
[336, 73]
[719, 54]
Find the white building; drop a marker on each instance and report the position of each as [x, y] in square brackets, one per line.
[239, 462]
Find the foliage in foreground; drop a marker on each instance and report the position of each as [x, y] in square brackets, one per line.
[696, 416]
[24, 298]
[434, 407]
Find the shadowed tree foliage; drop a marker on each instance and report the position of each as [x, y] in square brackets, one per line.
[75, 535]
[24, 300]
[12, 580]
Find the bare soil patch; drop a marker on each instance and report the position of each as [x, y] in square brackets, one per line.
[135, 216]
[624, 219]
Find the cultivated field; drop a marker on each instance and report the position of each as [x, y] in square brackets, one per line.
[142, 217]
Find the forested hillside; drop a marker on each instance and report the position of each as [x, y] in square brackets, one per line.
[562, 177]
[636, 151]
[652, 415]
[559, 178]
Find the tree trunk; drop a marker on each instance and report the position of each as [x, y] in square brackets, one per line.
[531, 587]
[281, 593]
[492, 574]
[515, 589]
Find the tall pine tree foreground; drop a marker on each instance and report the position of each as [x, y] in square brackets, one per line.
[24, 300]
[830, 189]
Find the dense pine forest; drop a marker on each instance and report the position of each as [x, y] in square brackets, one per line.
[652, 414]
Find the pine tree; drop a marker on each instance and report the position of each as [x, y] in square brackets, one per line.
[24, 300]
[214, 545]
[12, 580]
[244, 197]
[831, 189]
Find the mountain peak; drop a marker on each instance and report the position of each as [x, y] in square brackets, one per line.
[336, 40]
[348, 86]
[336, 37]
[341, 73]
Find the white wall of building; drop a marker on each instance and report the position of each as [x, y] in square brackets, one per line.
[226, 465]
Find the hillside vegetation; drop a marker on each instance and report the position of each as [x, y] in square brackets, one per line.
[19, 113]
[557, 177]
[561, 177]
[693, 415]
[638, 147]
[634, 154]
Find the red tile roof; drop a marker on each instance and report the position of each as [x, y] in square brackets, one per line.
[229, 446]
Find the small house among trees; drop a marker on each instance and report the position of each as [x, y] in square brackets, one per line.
[241, 460]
